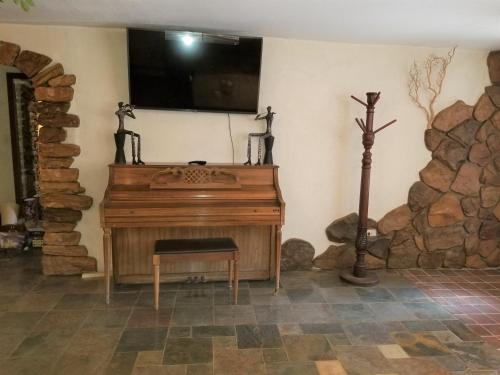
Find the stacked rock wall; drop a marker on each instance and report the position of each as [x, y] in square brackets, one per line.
[61, 195]
[452, 217]
[453, 212]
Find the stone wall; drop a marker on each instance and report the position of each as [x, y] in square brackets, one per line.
[452, 215]
[61, 195]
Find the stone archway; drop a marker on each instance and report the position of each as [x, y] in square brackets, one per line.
[61, 195]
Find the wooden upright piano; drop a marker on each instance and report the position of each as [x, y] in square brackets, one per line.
[146, 203]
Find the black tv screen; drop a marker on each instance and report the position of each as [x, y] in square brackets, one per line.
[181, 70]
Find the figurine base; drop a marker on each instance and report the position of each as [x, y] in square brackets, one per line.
[369, 280]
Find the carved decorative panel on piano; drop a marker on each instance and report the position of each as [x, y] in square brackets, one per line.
[146, 203]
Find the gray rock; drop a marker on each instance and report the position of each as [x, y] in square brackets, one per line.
[345, 229]
[430, 260]
[335, 257]
[379, 247]
[454, 257]
[296, 254]
[421, 196]
[404, 255]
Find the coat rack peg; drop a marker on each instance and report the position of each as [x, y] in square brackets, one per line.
[360, 124]
[385, 126]
[376, 98]
[359, 101]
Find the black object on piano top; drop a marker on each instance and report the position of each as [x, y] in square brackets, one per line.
[195, 245]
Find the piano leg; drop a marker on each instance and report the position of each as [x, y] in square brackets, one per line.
[277, 259]
[107, 242]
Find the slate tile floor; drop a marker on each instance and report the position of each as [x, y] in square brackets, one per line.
[316, 326]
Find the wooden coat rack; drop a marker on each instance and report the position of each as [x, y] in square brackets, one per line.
[359, 275]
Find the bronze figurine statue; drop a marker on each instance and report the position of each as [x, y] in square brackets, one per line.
[267, 137]
[359, 274]
[120, 135]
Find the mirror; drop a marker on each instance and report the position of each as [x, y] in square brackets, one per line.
[18, 137]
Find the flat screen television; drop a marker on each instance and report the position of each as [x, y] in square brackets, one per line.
[180, 70]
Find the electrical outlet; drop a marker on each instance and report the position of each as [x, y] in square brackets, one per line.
[371, 232]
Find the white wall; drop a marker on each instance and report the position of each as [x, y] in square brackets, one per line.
[318, 145]
[7, 187]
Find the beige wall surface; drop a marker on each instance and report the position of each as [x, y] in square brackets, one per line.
[7, 188]
[318, 145]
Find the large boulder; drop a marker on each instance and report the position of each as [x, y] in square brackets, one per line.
[450, 153]
[296, 254]
[437, 175]
[404, 255]
[452, 116]
[484, 108]
[335, 257]
[465, 132]
[421, 196]
[494, 67]
[345, 229]
[444, 238]
[445, 211]
[396, 219]
[467, 180]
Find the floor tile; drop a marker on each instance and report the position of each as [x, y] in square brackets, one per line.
[179, 332]
[187, 351]
[88, 341]
[145, 299]
[77, 301]
[232, 315]
[241, 362]
[274, 355]
[275, 314]
[226, 297]
[305, 296]
[408, 294]
[144, 317]
[424, 325]
[321, 328]
[338, 339]
[446, 336]
[312, 313]
[330, 368]
[81, 364]
[363, 360]
[307, 348]
[367, 334]
[18, 322]
[36, 302]
[352, 312]
[107, 318]
[9, 342]
[195, 297]
[477, 356]
[142, 339]
[460, 330]
[392, 351]
[161, 370]
[375, 294]
[391, 311]
[121, 364]
[149, 358]
[418, 344]
[418, 366]
[340, 295]
[27, 366]
[212, 331]
[192, 316]
[200, 369]
[258, 336]
[289, 368]
[118, 301]
[289, 329]
[428, 310]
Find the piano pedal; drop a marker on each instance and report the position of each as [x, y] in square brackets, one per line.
[203, 280]
[189, 280]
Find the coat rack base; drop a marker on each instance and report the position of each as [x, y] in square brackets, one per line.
[369, 280]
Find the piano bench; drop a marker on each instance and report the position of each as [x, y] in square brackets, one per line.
[196, 249]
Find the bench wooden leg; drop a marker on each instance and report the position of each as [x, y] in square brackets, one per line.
[236, 279]
[230, 273]
[156, 281]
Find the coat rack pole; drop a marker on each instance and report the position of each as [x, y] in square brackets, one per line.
[359, 274]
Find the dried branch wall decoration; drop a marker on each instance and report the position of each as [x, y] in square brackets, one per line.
[426, 82]
[24, 4]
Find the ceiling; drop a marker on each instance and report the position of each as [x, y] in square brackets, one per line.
[440, 23]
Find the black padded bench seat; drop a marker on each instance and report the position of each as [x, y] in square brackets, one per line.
[195, 245]
[196, 250]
